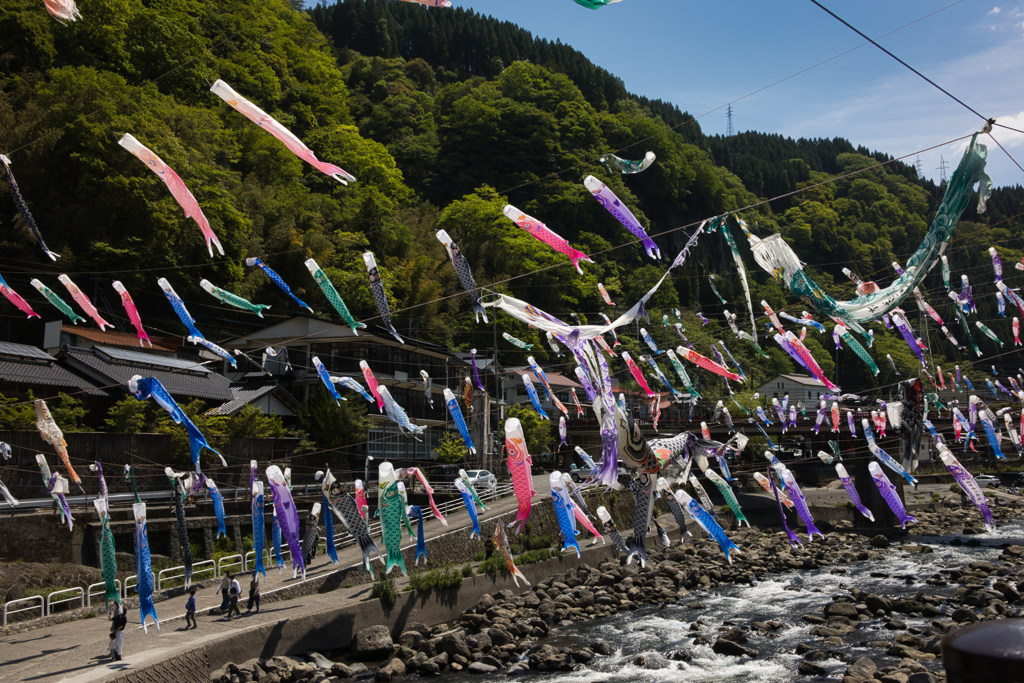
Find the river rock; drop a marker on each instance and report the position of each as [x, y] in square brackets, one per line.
[922, 677]
[862, 668]
[481, 668]
[601, 647]
[391, 669]
[727, 647]
[841, 609]
[880, 541]
[372, 643]
[318, 659]
[454, 644]
[810, 669]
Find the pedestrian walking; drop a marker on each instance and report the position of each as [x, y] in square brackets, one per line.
[225, 584]
[117, 626]
[190, 608]
[234, 590]
[254, 594]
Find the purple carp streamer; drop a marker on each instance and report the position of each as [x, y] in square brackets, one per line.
[464, 272]
[287, 516]
[606, 198]
[800, 502]
[889, 494]
[968, 484]
[476, 373]
[177, 188]
[851, 491]
[380, 297]
[271, 125]
[543, 233]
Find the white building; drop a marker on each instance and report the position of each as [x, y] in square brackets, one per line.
[799, 388]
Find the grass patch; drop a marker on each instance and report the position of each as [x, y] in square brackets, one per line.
[532, 556]
[448, 577]
[384, 588]
[936, 498]
[44, 590]
[847, 504]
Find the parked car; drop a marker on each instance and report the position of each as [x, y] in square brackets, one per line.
[480, 478]
[986, 480]
[580, 474]
[1011, 478]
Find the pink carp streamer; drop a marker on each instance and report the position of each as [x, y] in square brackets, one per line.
[706, 363]
[79, 296]
[546, 235]
[605, 296]
[519, 462]
[269, 124]
[133, 313]
[809, 361]
[411, 472]
[62, 10]
[177, 187]
[371, 381]
[16, 299]
[637, 375]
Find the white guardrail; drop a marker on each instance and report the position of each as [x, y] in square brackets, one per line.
[242, 562]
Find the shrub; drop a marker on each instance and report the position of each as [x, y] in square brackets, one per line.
[493, 565]
[531, 556]
[448, 577]
[467, 571]
[384, 588]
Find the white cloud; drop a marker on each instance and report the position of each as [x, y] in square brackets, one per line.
[995, 10]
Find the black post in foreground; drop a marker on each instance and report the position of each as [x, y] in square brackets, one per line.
[986, 651]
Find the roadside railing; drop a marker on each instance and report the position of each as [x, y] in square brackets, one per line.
[229, 561]
[39, 604]
[89, 592]
[77, 594]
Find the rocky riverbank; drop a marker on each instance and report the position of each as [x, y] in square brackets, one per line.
[859, 634]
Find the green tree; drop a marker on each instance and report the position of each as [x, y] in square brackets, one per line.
[539, 432]
[251, 423]
[330, 425]
[450, 449]
[127, 416]
[17, 414]
[68, 413]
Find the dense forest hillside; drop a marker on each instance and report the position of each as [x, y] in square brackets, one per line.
[443, 116]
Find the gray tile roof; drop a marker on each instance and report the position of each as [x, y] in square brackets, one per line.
[241, 398]
[187, 380]
[46, 373]
[22, 351]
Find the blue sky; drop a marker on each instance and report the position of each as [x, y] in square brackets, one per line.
[703, 55]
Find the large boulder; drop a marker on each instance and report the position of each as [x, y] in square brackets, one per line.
[372, 643]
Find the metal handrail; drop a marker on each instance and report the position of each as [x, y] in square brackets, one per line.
[128, 584]
[79, 595]
[7, 607]
[250, 559]
[237, 560]
[89, 591]
[197, 568]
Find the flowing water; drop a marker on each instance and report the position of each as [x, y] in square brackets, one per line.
[781, 597]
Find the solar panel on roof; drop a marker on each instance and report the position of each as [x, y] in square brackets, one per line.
[129, 356]
[23, 351]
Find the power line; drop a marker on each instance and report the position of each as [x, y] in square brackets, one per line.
[933, 83]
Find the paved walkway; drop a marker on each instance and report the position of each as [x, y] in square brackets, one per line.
[76, 652]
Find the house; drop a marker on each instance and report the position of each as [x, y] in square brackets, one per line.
[271, 399]
[395, 365]
[27, 368]
[799, 388]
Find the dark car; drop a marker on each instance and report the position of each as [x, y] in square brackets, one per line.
[1011, 478]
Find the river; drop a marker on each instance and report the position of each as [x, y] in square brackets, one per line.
[783, 597]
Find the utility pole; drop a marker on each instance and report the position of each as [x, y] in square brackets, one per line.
[728, 129]
[943, 165]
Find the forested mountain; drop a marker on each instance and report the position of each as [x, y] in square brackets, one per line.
[442, 121]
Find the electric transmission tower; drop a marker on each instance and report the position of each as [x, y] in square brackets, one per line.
[918, 166]
[728, 129]
[943, 165]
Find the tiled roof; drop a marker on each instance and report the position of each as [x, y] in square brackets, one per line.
[179, 377]
[113, 338]
[241, 397]
[47, 373]
[8, 350]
